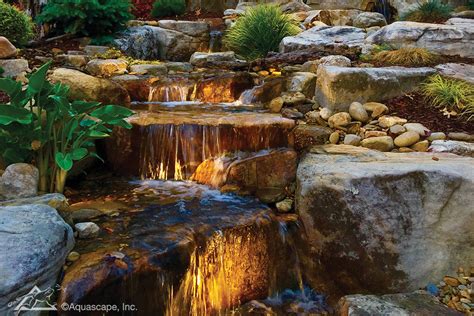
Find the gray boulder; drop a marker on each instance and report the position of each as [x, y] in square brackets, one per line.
[453, 146]
[15, 68]
[369, 19]
[19, 180]
[439, 38]
[464, 72]
[338, 87]
[34, 243]
[399, 220]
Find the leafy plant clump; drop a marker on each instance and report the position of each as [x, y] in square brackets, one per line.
[15, 24]
[432, 11]
[41, 125]
[406, 56]
[450, 95]
[99, 19]
[260, 31]
[162, 8]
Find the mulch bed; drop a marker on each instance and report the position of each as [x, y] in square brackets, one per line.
[48, 50]
[414, 108]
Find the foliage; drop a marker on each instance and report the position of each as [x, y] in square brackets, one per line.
[94, 18]
[41, 125]
[260, 31]
[450, 94]
[142, 8]
[432, 11]
[15, 24]
[406, 56]
[162, 8]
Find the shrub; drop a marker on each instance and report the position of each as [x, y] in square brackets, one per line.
[259, 31]
[15, 24]
[93, 18]
[162, 8]
[406, 56]
[432, 11]
[453, 95]
[40, 124]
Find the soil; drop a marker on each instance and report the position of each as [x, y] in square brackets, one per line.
[37, 56]
[415, 108]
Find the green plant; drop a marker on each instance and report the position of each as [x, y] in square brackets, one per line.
[259, 31]
[15, 24]
[406, 56]
[41, 125]
[432, 11]
[162, 8]
[450, 94]
[99, 19]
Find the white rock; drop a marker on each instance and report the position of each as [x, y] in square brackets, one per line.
[418, 128]
[87, 230]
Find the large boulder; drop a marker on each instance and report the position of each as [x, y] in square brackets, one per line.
[171, 40]
[19, 180]
[338, 38]
[438, 38]
[338, 87]
[399, 220]
[86, 87]
[331, 17]
[34, 242]
[369, 19]
[464, 72]
[217, 59]
[7, 49]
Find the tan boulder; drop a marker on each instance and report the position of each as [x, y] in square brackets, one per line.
[7, 49]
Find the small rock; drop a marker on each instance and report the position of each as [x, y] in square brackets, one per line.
[370, 134]
[358, 112]
[387, 121]
[285, 206]
[353, 127]
[106, 67]
[7, 49]
[73, 256]
[325, 113]
[418, 128]
[334, 137]
[397, 129]
[291, 113]
[351, 139]
[376, 109]
[76, 61]
[451, 281]
[276, 105]
[340, 119]
[461, 136]
[437, 136]
[421, 146]
[314, 117]
[87, 230]
[405, 150]
[382, 143]
[407, 139]
[293, 98]
[84, 215]
[263, 73]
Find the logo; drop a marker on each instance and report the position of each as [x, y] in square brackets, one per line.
[35, 300]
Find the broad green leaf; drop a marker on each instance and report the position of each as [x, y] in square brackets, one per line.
[79, 153]
[10, 114]
[38, 78]
[98, 134]
[64, 161]
[10, 86]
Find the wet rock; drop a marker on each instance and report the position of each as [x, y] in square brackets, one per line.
[416, 303]
[291, 113]
[461, 136]
[334, 137]
[332, 60]
[437, 136]
[375, 213]
[223, 88]
[218, 59]
[15, 68]
[304, 82]
[73, 256]
[7, 49]
[336, 38]
[358, 112]
[464, 72]
[380, 143]
[267, 91]
[340, 119]
[37, 242]
[54, 200]
[388, 121]
[452, 146]
[375, 109]
[309, 135]
[19, 180]
[284, 206]
[293, 98]
[106, 67]
[179, 66]
[407, 139]
[85, 215]
[149, 69]
[418, 128]
[87, 230]
[421, 146]
[438, 38]
[86, 87]
[138, 87]
[368, 19]
[338, 87]
[351, 139]
[276, 105]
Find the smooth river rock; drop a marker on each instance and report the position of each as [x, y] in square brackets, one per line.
[34, 243]
[399, 220]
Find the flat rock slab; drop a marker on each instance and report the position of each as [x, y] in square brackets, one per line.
[462, 72]
[34, 243]
[442, 39]
[338, 87]
[405, 304]
[399, 220]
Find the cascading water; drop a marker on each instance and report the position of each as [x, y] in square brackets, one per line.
[383, 7]
[215, 42]
[169, 92]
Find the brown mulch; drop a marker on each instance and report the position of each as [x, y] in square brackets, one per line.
[414, 108]
[37, 56]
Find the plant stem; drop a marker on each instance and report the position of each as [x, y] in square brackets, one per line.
[61, 176]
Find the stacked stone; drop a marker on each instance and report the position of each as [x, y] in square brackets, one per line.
[458, 292]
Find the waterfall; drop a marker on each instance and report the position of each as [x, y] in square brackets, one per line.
[177, 91]
[383, 7]
[215, 42]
